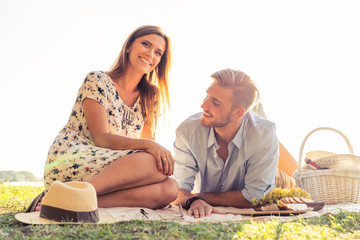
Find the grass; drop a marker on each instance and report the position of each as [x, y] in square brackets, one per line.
[14, 199]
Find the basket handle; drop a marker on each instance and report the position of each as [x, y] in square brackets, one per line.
[319, 129]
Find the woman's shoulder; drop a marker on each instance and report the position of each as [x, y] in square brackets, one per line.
[96, 77]
[96, 74]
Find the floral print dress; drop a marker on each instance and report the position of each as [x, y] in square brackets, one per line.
[73, 155]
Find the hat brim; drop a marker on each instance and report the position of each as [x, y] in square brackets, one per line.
[34, 218]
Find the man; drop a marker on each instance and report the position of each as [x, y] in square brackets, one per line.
[234, 151]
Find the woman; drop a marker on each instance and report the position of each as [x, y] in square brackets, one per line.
[108, 140]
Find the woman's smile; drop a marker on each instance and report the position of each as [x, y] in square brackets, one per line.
[145, 61]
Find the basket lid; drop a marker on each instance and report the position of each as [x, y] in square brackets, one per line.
[313, 155]
[335, 161]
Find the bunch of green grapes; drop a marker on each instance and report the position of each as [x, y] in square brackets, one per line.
[276, 194]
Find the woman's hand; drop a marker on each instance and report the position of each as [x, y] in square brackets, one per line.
[163, 157]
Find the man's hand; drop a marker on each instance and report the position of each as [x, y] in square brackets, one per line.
[199, 208]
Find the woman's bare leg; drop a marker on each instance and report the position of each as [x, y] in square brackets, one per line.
[153, 196]
[133, 170]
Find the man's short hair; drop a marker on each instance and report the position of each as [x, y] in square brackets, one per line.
[245, 92]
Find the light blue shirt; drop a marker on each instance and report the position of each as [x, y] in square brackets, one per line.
[251, 164]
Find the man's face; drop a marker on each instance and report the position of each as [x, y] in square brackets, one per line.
[217, 107]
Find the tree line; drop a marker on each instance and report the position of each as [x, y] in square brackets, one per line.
[17, 176]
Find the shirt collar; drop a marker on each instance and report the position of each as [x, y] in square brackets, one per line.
[236, 140]
[212, 139]
[238, 137]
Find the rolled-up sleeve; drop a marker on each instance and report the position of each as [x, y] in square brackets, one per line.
[262, 167]
[186, 166]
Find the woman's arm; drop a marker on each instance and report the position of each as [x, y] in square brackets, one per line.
[146, 132]
[97, 122]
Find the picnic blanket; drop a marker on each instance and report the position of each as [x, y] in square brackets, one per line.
[173, 214]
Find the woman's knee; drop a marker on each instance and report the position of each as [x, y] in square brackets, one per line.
[140, 162]
[168, 192]
[171, 189]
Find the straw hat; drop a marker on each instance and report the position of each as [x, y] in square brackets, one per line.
[69, 202]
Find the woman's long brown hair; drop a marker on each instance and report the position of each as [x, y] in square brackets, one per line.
[153, 86]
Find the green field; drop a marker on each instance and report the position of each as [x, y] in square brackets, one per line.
[14, 199]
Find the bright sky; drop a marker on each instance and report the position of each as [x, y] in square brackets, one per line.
[304, 56]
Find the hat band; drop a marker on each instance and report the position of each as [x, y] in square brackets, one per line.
[61, 215]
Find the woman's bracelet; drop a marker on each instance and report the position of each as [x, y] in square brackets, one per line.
[190, 200]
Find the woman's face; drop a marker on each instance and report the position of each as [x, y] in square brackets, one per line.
[145, 53]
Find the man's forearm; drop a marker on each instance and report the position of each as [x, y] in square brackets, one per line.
[228, 199]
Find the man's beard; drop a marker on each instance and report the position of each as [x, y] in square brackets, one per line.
[217, 124]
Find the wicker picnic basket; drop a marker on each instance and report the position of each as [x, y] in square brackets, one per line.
[338, 184]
